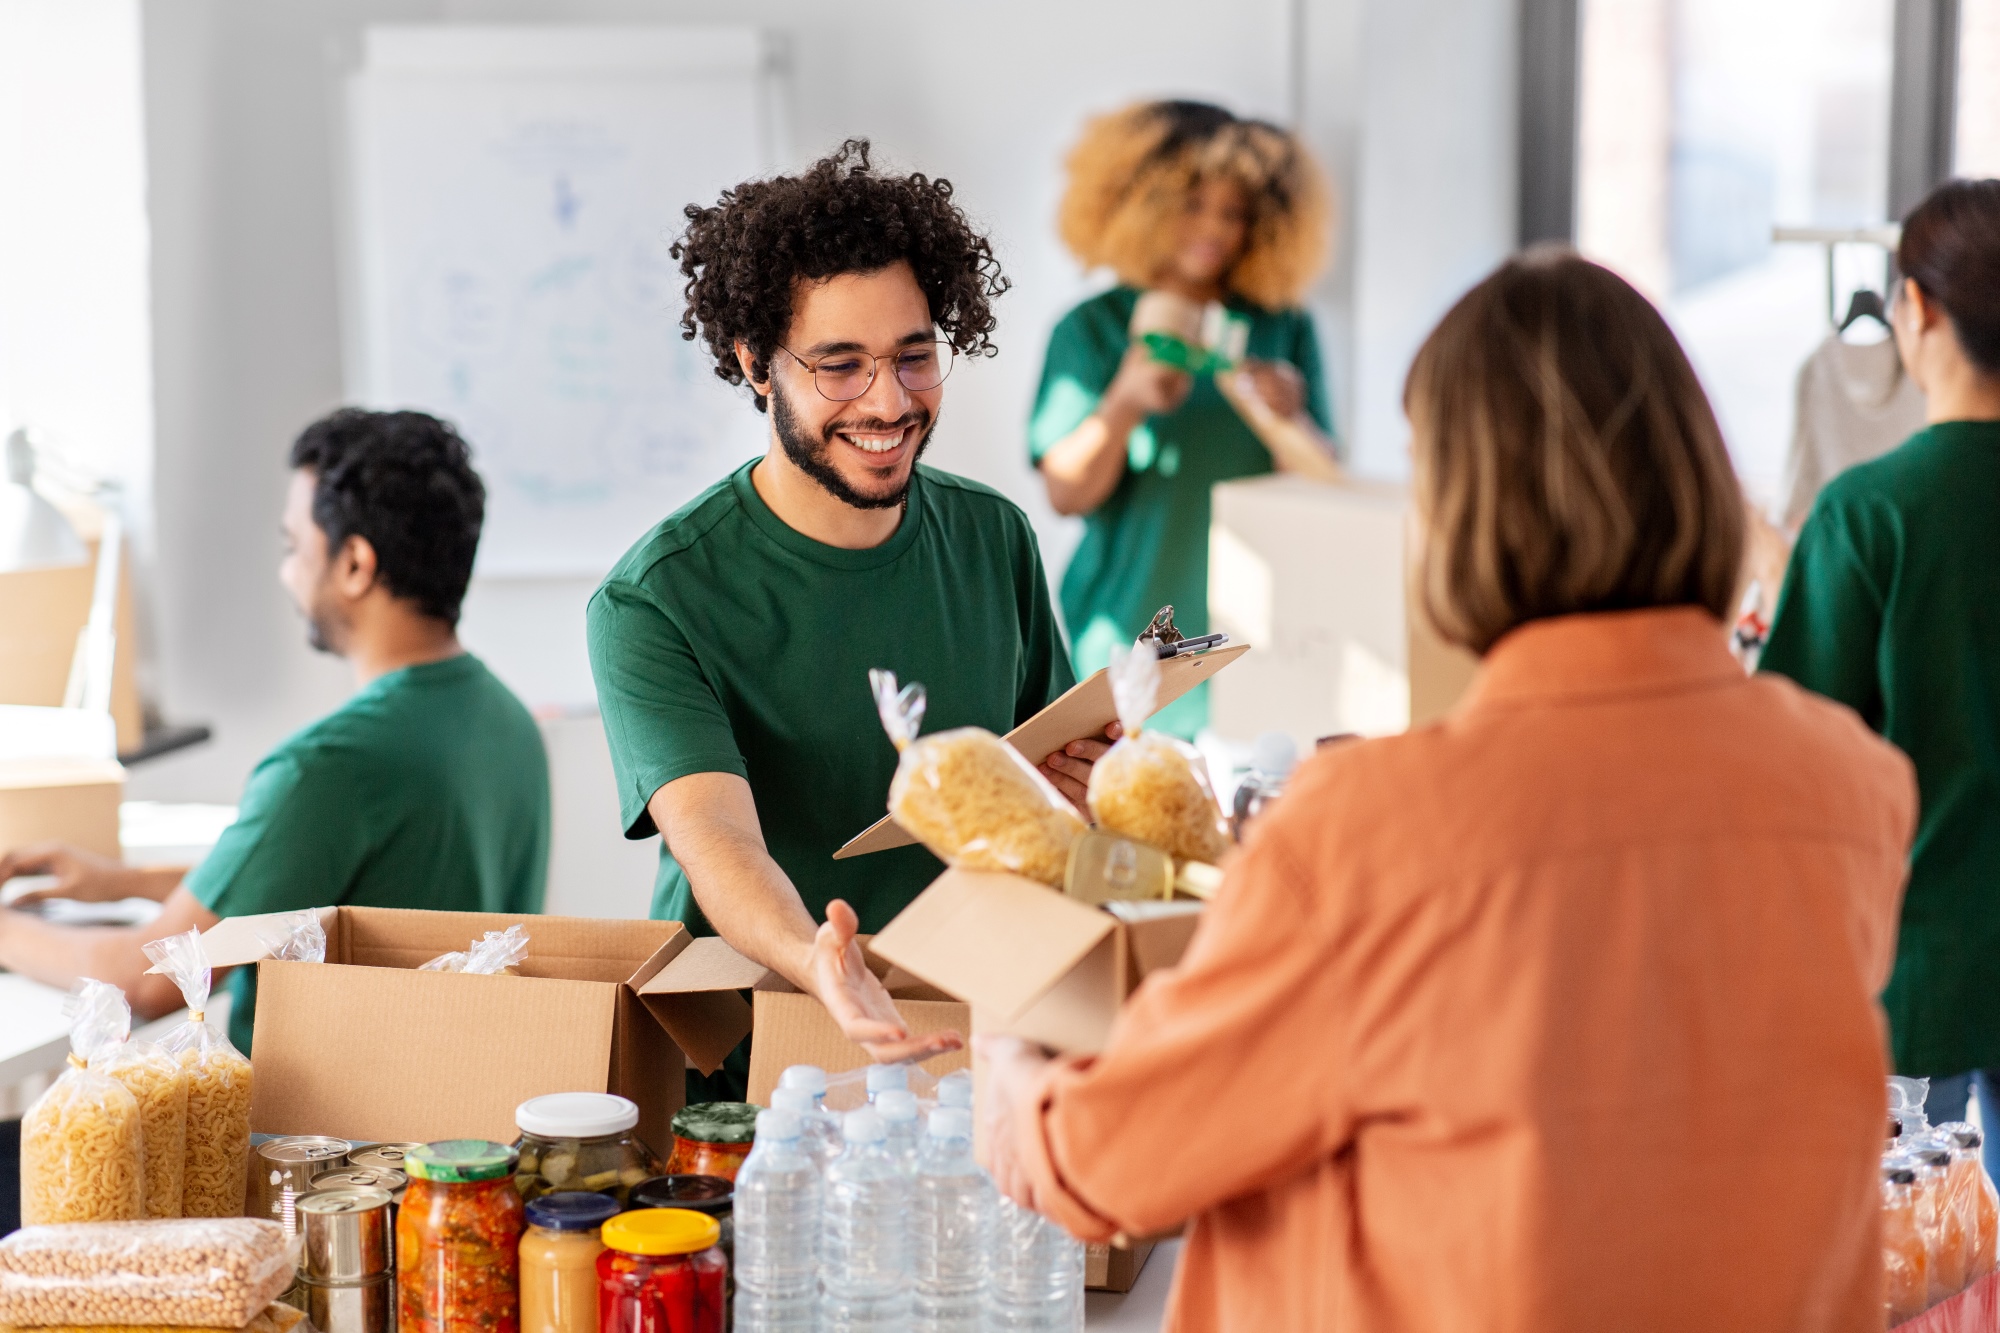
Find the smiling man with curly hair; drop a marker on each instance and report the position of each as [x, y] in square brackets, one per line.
[732, 645]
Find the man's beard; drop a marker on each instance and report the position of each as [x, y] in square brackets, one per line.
[810, 455]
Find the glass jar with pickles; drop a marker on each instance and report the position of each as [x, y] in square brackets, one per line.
[581, 1141]
[458, 1240]
[712, 1138]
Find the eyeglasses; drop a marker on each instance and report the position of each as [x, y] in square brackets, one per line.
[844, 376]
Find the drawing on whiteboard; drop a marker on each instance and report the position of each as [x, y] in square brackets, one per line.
[513, 235]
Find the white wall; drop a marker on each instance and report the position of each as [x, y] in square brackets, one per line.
[1406, 100]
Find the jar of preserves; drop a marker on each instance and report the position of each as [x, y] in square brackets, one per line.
[458, 1240]
[712, 1138]
[581, 1141]
[559, 1262]
[661, 1272]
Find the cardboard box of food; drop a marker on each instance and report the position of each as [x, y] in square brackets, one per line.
[366, 1046]
[61, 800]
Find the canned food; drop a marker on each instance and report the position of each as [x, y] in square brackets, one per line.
[364, 1178]
[348, 1236]
[347, 1307]
[388, 1155]
[283, 1169]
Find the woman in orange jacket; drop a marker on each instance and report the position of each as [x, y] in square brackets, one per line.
[1558, 1014]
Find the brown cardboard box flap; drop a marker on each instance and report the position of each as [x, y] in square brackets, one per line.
[236, 941]
[1157, 933]
[696, 999]
[1085, 709]
[999, 942]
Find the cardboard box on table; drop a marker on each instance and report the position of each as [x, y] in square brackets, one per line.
[365, 1046]
[61, 800]
[1031, 962]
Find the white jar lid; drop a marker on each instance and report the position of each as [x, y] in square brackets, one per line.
[576, 1115]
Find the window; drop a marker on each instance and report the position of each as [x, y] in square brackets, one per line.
[1976, 147]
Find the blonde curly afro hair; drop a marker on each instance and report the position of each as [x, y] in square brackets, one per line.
[1133, 169]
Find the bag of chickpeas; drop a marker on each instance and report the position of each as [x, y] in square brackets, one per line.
[83, 1141]
[217, 1162]
[1151, 786]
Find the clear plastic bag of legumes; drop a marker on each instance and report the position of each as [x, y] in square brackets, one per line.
[969, 796]
[82, 1142]
[218, 1106]
[160, 1086]
[1151, 786]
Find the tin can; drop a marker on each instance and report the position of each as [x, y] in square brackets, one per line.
[364, 1178]
[388, 1155]
[347, 1307]
[283, 1169]
[348, 1236]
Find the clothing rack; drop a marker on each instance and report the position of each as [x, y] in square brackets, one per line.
[1886, 236]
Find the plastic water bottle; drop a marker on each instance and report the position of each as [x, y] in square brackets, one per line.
[881, 1078]
[955, 1089]
[809, 1077]
[1036, 1274]
[819, 1129]
[954, 1215]
[898, 1109]
[865, 1243]
[777, 1218]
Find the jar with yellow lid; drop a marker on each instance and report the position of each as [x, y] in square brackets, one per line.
[661, 1272]
[559, 1261]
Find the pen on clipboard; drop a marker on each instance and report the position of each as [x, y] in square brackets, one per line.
[1198, 644]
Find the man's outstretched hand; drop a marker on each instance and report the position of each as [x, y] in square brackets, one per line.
[857, 999]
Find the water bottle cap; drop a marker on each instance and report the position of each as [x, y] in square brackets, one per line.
[897, 1104]
[1274, 754]
[955, 1090]
[797, 1100]
[881, 1078]
[863, 1126]
[777, 1124]
[810, 1077]
[951, 1122]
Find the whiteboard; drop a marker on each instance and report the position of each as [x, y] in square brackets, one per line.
[513, 194]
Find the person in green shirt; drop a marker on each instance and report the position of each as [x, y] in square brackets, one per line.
[1891, 605]
[732, 644]
[428, 788]
[1190, 207]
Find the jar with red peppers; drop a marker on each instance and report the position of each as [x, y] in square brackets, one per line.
[661, 1272]
[458, 1240]
[712, 1138]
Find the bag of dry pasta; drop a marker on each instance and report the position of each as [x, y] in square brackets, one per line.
[82, 1142]
[160, 1086]
[1151, 786]
[970, 797]
[218, 1104]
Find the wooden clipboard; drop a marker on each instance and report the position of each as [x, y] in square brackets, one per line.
[1085, 709]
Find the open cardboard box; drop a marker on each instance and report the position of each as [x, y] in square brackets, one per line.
[365, 1046]
[61, 800]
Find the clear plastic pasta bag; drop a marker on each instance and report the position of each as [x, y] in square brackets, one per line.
[1149, 786]
[295, 937]
[160, 1086]
[214, 1273]
[496, 953]
[969, 796]
[82, 1142]
[218, 1106]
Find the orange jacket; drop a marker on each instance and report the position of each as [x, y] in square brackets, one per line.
[1556, 1015]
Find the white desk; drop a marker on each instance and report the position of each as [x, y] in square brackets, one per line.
[34, 1035]
[1142, 1309]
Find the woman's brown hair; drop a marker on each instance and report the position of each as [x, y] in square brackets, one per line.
[1131, 173]
[1951, 250]
[1566, 458]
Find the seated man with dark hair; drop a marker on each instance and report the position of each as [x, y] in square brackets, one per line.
[429, 788]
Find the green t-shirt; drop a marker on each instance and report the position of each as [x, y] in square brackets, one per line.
[429, 788]
[1147, 545]
[726, 642]
[1892, 607]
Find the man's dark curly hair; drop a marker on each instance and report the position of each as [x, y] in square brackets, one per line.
[744, 257]
[404, 481]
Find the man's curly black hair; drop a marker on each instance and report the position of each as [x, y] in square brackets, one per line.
[744, 257]
[403, 480]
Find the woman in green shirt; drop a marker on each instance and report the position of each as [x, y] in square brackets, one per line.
[1892, 606]
[1192, 208]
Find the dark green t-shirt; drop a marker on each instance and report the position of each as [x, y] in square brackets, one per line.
[1147, 545]
[429, 789]
[726, 642]
[1892, 607]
